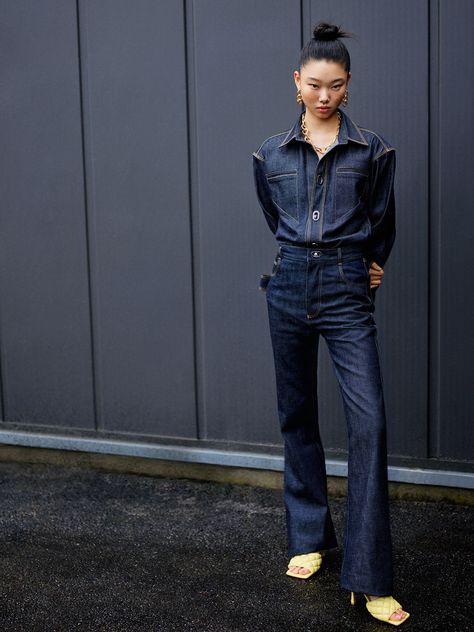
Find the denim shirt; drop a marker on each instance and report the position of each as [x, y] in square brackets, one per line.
[346, 197]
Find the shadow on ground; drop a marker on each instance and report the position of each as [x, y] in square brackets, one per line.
[97, 551]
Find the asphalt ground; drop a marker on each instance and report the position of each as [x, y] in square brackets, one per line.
[85, 549]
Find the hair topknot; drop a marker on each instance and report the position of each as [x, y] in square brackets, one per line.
[326, 44]
[325, 31]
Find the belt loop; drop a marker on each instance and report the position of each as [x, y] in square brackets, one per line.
[339, 254]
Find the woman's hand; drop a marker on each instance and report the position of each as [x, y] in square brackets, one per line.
[376, 274]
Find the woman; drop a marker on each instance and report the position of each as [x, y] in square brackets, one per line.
[326, 187]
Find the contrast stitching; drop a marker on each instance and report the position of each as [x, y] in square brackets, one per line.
[376, 135]
[276, 174]
[349, 171]
[359, 142]
[323, 200]
[273, 136]
[295, 219]
[286, 175]
[383, 153]
[363, 141]
[346, 279]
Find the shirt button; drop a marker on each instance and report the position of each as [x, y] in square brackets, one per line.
[315, 215]
[320, 179]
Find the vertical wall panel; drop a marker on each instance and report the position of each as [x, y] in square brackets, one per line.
[44, 303]
[131, 239]
[134, 82]
[243, 93]
[453, 250]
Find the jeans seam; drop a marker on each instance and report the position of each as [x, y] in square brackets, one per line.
[347, 281]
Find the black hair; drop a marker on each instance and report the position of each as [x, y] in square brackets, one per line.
[325, 44]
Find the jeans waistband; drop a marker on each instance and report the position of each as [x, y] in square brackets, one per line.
[319, 252]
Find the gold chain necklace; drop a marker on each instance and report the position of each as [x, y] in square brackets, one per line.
[307, 138]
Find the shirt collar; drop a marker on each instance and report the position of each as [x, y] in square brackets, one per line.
[348, 131]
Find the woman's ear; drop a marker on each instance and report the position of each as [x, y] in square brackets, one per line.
[296, 76]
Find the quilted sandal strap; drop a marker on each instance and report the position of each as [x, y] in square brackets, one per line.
[383, 607]
[308, 560]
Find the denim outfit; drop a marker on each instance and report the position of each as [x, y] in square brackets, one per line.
[331, 216]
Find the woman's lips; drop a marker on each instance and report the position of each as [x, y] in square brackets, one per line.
[323, 109]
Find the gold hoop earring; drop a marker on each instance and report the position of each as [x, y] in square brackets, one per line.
[299, 98]
[345, 99]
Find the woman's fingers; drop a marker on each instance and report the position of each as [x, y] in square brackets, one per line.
[375, 266]
[375, 278]
[376, 270]
[376, 274]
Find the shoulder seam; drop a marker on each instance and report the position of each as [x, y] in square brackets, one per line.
[273, 136]
[366, 129]
[383, 153]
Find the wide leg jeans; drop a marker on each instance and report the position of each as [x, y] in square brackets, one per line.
[313, 292]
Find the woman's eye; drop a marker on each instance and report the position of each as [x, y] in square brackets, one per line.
[313, 85]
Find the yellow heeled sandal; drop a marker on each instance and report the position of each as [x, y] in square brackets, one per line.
[382, 607]
[308, 560]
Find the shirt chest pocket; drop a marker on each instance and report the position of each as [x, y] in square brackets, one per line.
[351, 188]
[284, 191]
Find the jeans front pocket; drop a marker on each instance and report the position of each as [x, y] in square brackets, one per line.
[284, 191]
[266, 278]
[355, 273]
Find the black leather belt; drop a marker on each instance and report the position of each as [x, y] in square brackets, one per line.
[314, 245]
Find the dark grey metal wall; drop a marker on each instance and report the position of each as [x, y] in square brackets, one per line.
[132, 239]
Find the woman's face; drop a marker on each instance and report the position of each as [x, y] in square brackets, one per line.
[322, 84]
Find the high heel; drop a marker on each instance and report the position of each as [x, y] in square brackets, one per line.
[382, 608]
